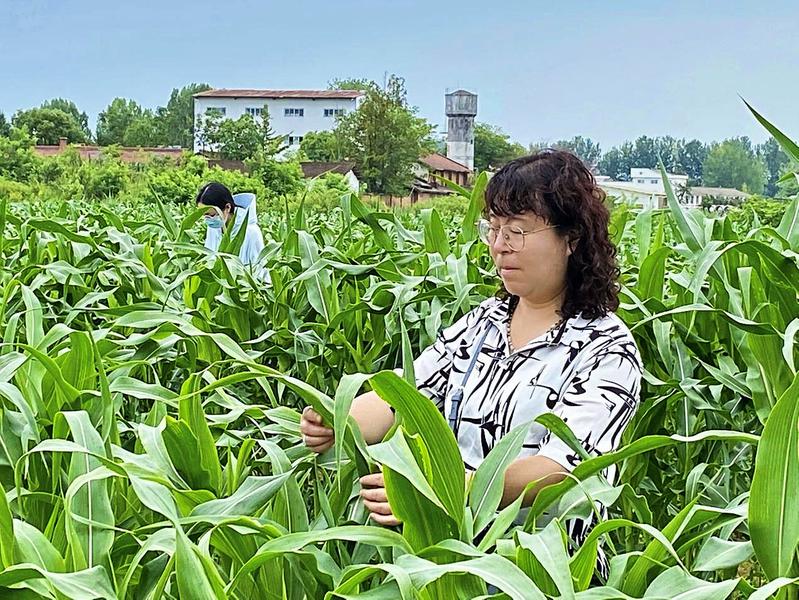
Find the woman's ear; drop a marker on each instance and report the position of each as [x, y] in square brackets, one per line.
[572, 245]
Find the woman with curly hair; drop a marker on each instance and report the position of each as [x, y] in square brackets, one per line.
[548, 343]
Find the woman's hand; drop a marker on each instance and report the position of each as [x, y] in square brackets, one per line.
[315, 435]
[375, 499]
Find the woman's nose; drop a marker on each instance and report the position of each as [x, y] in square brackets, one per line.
[500, 243]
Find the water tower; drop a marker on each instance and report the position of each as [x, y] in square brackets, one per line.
[461, 109]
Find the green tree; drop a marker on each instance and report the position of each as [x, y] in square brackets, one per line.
[362, 85]
[281, 178]
[678, 156]
[617, 162]
[493, 147]
[113, 122]
[775, 161]
[178, 115]
[585, 148]
[385, 138]
[47, 125]
[321, 145]
[146, 130]
[243, 138]
[644, 153]
[5, 126]
[69, 107]
[667, 149]
[18, 161]
[690, 158]
[733, 163]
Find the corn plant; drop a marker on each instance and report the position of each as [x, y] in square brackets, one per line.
[149, 424]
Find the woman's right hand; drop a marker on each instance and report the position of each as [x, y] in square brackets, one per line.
[315, 435]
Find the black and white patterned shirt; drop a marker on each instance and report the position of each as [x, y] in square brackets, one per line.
[587, 372]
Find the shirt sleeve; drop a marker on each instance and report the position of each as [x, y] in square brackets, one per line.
[599, 402]
[253, 245]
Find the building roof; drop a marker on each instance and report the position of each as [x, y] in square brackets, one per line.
[645, 172]
[277, 94]
[629, 186]
[312, 169]
[428, 187]
[718, 191]
[439, 162]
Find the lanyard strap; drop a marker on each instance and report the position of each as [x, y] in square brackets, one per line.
[457, 395]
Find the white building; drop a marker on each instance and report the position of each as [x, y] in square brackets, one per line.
[653, 177]
[717, 197]
[646, 189]
[292, 113]
[643, 195]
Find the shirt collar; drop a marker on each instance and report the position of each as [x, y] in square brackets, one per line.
[564, 334]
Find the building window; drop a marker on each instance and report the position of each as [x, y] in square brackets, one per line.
[294, 112]
[654, 181]
[335, 112]
[295, 140]
[215, 111]
[254, 112]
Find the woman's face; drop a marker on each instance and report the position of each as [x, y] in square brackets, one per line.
[214, 212]
[533, 265]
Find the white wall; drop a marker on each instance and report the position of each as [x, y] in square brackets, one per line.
[652, 177]
[313, 118]
[461, 152]
[643, 198]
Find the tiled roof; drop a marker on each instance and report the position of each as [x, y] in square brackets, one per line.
[277, 94]
[718, 191]
[439, 162]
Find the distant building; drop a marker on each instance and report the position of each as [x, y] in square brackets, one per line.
[634, 193]
[714, 196]
[653, 177]
[647, 190]
[430, 170]
[461, 109]
[292, 113]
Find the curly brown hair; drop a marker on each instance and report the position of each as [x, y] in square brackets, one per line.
[557, 186]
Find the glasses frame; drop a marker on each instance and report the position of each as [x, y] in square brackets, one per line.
[501, 231]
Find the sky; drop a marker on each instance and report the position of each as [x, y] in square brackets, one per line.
[610, 70]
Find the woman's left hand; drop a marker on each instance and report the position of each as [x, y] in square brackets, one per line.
[376, 501]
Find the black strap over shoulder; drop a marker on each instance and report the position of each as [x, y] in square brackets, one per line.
[457, 395]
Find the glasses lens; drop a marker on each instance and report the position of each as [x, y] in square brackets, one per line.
[484, 231]
[514, 238]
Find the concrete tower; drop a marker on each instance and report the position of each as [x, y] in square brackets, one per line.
[461, 109]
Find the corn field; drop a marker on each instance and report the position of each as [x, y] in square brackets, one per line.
[150, 396]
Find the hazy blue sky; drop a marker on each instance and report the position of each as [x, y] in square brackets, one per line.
[610, 70]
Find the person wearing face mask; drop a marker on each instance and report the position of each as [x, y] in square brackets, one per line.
[548, 342]
[226, 209]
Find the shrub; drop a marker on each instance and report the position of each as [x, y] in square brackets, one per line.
[104, 178]
[15, 191]
[18, 161]
[769, 212]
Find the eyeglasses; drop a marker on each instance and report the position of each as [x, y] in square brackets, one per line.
[512, 234]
